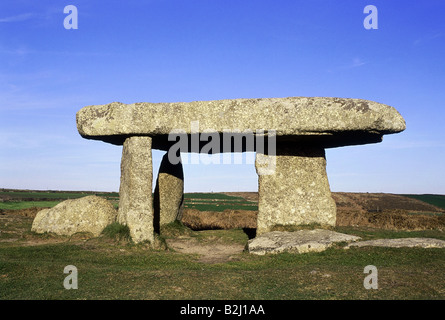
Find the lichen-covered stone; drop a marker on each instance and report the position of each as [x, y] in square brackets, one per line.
[295, 191]
[401, 243]
[325, 121]
[302, 241]
[293, 185]
[135, 192]
[88, 214]
[169, 192]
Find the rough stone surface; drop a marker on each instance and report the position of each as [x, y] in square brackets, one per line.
[169, 192]
[302, 241]
[293, 186]
[400, 243]
[326, 121]
[88, 214]
[296, 192]
[135, 193]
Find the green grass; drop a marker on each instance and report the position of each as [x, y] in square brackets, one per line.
[109, 268]
[112, 267]
[13, 205]
[117, 232]
[44, 195]
[131, 272]
[199, 201]
[54, 194]
[219, 196]
[23, 199]
[434, 199]
[217, 202]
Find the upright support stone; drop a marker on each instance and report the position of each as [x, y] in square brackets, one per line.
[297, 191]
[169, 193]
[135, 193]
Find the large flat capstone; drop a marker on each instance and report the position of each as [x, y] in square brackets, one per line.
[326, 122]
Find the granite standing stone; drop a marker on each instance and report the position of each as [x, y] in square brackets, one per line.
[169, 193]
[135, 192]
[297, 192]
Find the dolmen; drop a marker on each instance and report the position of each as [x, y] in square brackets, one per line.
[288, 135]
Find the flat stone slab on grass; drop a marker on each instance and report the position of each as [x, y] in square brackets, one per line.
[302, 241]
[400, 243]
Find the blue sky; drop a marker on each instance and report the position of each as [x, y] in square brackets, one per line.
[170, 51]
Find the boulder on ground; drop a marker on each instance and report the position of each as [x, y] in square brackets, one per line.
[301, 241]
[88, 214]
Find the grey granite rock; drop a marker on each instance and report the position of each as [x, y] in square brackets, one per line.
[135, 192]
[328, 122]
[296, 192]
[88, 214]
[400, 243]
[302, 241]
[169, 192]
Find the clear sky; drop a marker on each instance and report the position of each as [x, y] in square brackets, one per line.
[172, 51]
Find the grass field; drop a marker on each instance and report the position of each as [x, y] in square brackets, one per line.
[16, 200]
[218, 202]
[19, 205]
[111, 270]
[214, 266]
[24, 199]
[434, 199]
[59, 195]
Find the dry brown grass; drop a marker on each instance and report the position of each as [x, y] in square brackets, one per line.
[378, 210]
[393, 220]
[380, 202]
[386, 211]
[228, 219]
[28, 212]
